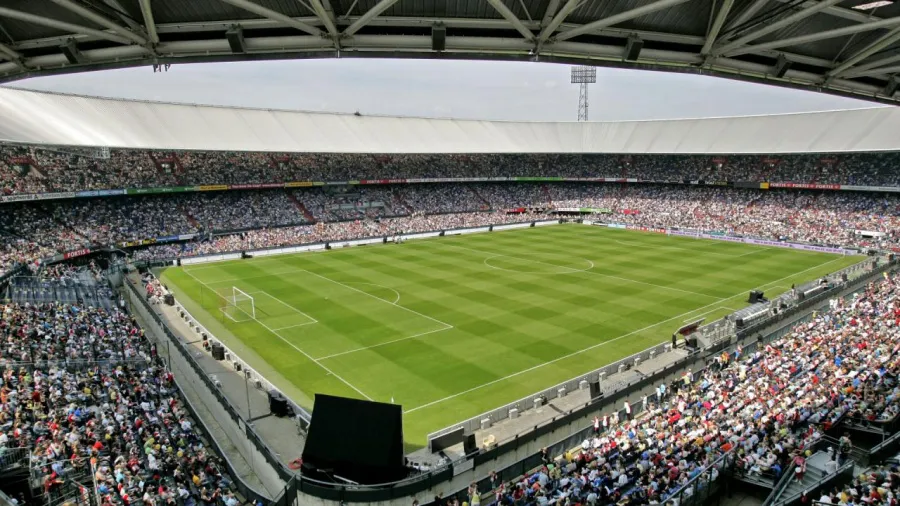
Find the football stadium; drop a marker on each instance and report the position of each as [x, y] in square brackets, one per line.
[227, 305]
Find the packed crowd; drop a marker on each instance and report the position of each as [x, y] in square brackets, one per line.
[767, 407]
[333, 231]
[877, 486]
[32, 231]
[25, 169]
[83, 389]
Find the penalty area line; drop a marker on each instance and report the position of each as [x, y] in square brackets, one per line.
[294, 346]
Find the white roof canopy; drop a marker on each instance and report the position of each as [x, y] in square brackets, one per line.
[54, 119]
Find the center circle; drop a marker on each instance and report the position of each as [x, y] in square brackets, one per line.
[526, 266]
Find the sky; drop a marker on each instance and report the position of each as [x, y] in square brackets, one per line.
[443, 89]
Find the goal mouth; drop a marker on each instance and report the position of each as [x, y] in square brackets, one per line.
[239, 307]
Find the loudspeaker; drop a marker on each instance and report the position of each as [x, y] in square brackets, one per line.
[595, 389]
[469, 444]
[235, 38]
[633, 48]
[169, 299]
[218, 351]
[438, 37]
[278, 405]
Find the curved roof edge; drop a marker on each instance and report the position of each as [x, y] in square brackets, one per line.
[56, 119]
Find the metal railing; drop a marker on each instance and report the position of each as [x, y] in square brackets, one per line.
[699, 489]
[14, 456]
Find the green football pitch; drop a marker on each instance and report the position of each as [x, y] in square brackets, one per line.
[452, 327]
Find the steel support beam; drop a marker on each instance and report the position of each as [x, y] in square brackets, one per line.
[371, 14]
[879, 71]
[778, 25]
[828, 34]
[716, 26]
[871, 68]
[548, 14]
[557, 20]
[101, 20]
[509, 16]
[149, 23]
[747, 14]
[273, 15]
[326, 15]
[883, 42]
[839, 12]
[8, 53]
[61, 25]
[619, 18]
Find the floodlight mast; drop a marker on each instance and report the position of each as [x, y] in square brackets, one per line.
[583, 75]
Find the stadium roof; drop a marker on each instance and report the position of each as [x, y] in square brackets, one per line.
[69, 120]
[846, 47]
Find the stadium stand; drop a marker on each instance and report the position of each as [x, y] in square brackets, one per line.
[29, 169]
[84, 392]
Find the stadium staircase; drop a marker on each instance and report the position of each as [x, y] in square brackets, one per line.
[547, 196]
[189, 217]
[401, 201]
[306, 213]
[486, 205]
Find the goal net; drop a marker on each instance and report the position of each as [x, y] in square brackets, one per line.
[239, 306]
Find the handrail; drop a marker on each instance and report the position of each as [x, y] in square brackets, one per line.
[783, 483]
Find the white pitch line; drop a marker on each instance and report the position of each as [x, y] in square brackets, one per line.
[379, 298]
[574, 353]
[574, 271]
[286, 305]
[513, 375]
[384, 343]
[381, 286]
[294, 346]
[294, 326]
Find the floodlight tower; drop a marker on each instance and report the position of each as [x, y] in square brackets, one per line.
[583, 75]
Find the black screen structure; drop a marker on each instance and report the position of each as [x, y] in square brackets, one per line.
[356, 440]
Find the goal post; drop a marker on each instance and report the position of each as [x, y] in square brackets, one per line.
[239, 306]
